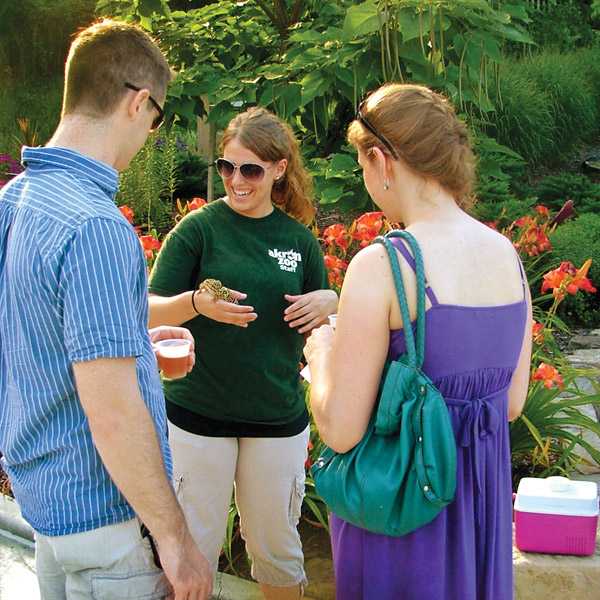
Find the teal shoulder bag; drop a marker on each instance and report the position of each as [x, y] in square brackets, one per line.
[403, 471]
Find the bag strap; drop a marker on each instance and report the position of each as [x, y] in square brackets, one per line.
[416, 352]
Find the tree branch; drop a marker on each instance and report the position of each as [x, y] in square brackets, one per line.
[268, 12]
[295, 12]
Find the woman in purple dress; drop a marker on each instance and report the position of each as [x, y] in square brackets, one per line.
[418, 168]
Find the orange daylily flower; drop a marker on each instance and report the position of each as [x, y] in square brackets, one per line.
[533, 238]
[492, 224]
[195, 203]
[127, 212]
[335, 267]
[149, 244]
[337, 234]
[537, 333]
[368, 227]
[548, 374]
[567, 279]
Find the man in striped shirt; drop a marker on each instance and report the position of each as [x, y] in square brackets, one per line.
[82, 419]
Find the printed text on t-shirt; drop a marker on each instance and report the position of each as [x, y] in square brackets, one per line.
[287, 259]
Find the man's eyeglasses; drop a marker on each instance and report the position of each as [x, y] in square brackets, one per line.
[369, 127]
[161, 113]
[250, 172]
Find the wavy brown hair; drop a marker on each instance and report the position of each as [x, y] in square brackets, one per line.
[271, 139]
[424, 130]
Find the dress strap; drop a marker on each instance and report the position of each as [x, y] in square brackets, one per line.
[523, 276]
[400, 245]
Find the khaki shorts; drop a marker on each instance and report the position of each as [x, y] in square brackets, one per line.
[269, 476]
[110, 562]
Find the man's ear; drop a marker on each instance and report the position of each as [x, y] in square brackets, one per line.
[136, 103]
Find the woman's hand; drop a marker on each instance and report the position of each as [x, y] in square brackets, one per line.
[166, 332]
[310, 310]
[223, 311]
[318, 347]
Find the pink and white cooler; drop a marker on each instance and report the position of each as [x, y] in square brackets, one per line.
[556, 516]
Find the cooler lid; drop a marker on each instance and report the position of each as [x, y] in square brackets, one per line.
[557, 496]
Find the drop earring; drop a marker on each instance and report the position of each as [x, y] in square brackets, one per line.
[386, 184]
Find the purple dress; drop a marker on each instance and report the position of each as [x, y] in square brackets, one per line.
[465, 553]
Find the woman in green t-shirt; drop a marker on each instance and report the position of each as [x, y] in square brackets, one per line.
[240, 415]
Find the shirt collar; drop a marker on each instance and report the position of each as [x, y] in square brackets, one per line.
[100, 173]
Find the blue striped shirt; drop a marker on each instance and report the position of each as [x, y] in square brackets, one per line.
[72, 289]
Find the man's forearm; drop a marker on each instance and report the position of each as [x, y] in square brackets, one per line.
[126, 439]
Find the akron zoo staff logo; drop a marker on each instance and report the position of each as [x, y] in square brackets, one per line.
[286, 259]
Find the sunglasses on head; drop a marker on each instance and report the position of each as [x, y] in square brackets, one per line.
[250, 172]
[161, 113]
[369, 127]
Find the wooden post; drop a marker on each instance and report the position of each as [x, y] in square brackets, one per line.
[207, 141]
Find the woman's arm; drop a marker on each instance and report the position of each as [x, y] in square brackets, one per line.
[175, 310]
[346, 367]
[517, 393]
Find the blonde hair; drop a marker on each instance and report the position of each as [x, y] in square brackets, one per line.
[104, 57]
[271, 139]
[425, 132]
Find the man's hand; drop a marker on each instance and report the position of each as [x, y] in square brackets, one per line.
[166, 332]
[186, 569]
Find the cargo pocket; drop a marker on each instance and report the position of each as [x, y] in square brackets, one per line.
[133, 586]
[297, 497]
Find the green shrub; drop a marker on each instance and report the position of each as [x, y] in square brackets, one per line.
[548, 104]
[505, 212]
[148, 185]
[576, 241]
[590, 66]
[38, 100]
[36, 34]
[563, 26]
[554, 190]
[192, 171]
[523, 120]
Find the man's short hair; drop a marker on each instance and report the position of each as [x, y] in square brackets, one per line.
[102, 59]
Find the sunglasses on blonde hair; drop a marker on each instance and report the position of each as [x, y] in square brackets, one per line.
[250, 172]
[369, 127]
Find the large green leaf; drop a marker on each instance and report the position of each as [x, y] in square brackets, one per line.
[314, 84]
[409, 24]
[361, 19]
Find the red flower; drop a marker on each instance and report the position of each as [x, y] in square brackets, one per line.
[568, 279]
[492, 224]
[368, 227]
[533, 238]
[337, 234]
[149, 244]
[542, 210]
[127, 212]
[537, 333]
[195, 203]
[335, 267]
[548, 374]
[308, 464]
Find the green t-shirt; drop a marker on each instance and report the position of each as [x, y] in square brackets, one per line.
[242, 374]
